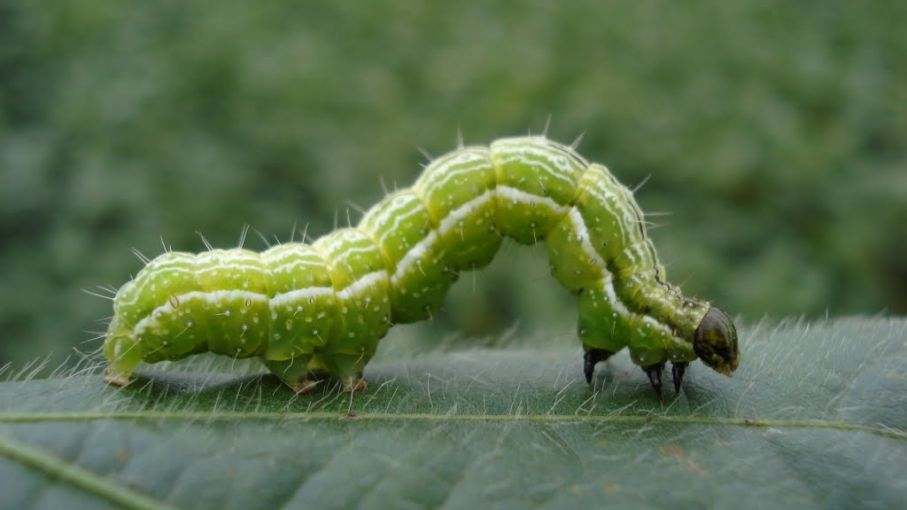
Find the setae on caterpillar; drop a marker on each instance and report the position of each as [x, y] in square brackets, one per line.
[317, 311]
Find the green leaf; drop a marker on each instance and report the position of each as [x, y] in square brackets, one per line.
[815, 417]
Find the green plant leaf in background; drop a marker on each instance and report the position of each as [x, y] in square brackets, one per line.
[815, 417]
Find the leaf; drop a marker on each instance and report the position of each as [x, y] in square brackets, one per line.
[815, 417]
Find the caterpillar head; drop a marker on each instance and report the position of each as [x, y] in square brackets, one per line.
[715, 341]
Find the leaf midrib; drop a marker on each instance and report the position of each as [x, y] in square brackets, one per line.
[881, 430]
[78, 476]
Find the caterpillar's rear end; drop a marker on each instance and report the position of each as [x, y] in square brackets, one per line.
[317, 311]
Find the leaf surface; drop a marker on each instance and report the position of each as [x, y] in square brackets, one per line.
[815, 417]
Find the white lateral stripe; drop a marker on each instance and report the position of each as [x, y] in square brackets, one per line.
[518, 195]
[213, 297]
[608, 288]
[449, 222]
[657, 325]
[460, 213]
[300, 295]
[414, 254]
[362, 284]
[580, 225]
[621, 308]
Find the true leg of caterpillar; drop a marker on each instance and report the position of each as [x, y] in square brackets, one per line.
[654, 373]
[590, 358]
[677, 371]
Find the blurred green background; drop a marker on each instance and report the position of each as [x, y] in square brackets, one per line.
[774, 132]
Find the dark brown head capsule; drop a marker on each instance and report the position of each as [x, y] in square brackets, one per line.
[715, 342]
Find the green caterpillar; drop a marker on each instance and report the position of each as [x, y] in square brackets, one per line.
[317, 311]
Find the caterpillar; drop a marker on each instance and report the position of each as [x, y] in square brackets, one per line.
[315, 312]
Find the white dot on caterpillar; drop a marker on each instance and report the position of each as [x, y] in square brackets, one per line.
[174, 302]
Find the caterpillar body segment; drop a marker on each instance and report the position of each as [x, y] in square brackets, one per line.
[317, 311]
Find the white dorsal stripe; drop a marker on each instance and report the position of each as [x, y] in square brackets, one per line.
[397, 220]
[441, 178]
[548, 156]
[229, 267]
[296, 251]
[288, 266]
[546, 168]
[395, 211]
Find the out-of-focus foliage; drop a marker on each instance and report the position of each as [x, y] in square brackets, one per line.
[773, 131]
